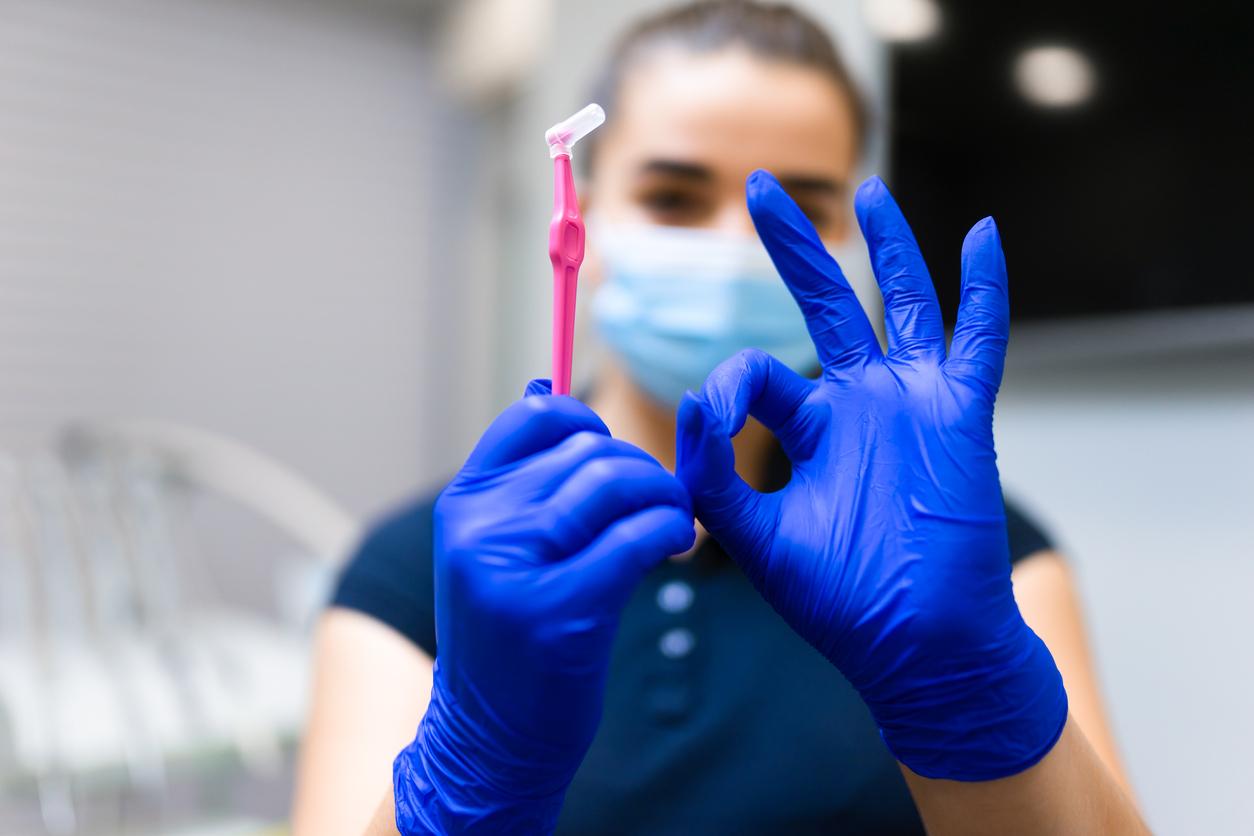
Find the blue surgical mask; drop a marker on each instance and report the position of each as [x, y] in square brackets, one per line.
[676, 302]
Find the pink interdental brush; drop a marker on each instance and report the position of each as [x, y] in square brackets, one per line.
[566, 235]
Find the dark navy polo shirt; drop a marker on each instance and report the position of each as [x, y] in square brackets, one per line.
[718, 718]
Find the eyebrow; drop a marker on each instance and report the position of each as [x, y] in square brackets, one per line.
[678, 168]
[792, 183]
[825, 186]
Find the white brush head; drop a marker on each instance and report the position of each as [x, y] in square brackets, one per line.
[562, 136]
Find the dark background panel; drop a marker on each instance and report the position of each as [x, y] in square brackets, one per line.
[1140, 199]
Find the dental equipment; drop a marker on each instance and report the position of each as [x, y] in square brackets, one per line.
[566, 237]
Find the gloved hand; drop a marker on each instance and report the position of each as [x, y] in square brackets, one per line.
[887, 550]
[539, 541]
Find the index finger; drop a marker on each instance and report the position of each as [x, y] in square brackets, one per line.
[834, 316]
[912, 314]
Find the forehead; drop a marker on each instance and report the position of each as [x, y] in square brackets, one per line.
[733, 112]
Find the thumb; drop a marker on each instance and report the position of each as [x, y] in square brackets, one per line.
[734, 513]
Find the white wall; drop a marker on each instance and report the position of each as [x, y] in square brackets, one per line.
[221, 213]
[1133, 439]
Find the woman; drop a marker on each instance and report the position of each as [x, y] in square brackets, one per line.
[709, 691]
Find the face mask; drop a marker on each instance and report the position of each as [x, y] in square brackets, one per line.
[676, 302]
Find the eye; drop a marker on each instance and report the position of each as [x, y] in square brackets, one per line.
[674, 206]
[667, 200]
[818, 215]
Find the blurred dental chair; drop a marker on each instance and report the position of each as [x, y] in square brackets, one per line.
[119, 664]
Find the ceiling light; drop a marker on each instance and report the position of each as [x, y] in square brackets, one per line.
[902, 21]
[1054, 76]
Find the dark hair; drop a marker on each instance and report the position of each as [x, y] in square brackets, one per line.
[775, 31]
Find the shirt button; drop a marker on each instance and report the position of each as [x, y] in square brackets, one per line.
[677, 643]
[674, 597]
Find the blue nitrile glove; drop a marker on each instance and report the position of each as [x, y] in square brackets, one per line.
[887, 550]
[539, 542]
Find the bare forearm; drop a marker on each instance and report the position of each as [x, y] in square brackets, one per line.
[356, 725]
[384, 821]
[1069, 791]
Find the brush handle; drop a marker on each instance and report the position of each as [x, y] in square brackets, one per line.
[566, 238]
